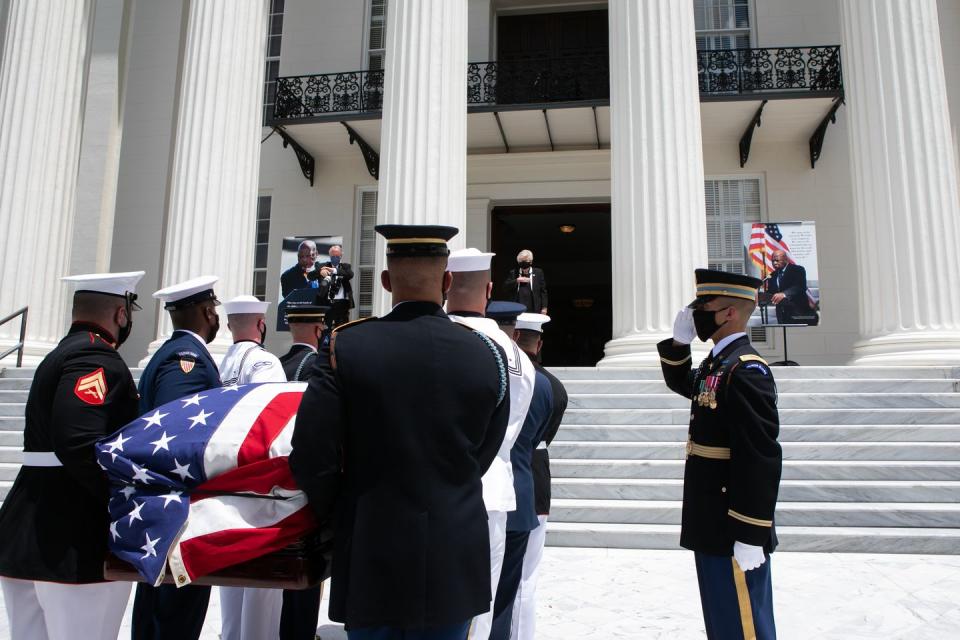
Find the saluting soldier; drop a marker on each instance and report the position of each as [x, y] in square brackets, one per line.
[306, 328]
[182, 366]
[53, 524]
[467, 301]
[402, 416]
[732, 472]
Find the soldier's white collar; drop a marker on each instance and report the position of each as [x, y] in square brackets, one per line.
[717, 348]
[305, 344]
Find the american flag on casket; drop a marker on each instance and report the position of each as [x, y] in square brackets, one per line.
[203, 483]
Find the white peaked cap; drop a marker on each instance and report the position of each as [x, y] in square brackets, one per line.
[532, 321]
[116, 284]
[469, 259]
[188, 292]
[245, 304]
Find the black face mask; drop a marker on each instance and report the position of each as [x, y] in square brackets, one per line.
[124, 331]
[706, 322]
[524, 265]
[263, 334]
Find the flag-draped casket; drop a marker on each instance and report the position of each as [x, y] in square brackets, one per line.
[201, 489]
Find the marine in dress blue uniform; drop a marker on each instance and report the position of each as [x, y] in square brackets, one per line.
[181, 367]
[53, 523]
[523, 520]
[402, 416]
[732, 471]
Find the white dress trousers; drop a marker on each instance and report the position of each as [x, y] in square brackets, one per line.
[524, 621]
[497, 526]
[55, 611]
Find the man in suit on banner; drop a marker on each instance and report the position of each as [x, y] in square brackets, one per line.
[788, 288]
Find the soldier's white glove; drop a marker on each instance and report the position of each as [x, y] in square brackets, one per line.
[748, 556]
[684, 330]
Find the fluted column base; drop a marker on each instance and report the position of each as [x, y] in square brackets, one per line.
[909, 348]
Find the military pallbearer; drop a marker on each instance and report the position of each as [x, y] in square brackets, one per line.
[53, 524]
[732, 472]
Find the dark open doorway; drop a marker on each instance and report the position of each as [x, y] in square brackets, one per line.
[576, 268]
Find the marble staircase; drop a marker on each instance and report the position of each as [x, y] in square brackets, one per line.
[871, 460]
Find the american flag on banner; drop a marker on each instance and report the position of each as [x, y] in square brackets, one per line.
[764, 240]
[203, 483]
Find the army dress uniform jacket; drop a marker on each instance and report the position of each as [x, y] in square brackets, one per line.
[298, 362]
[180, 367]
[53, 524]
[732, 472]
[402, 416]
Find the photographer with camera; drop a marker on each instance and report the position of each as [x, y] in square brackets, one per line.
[337, 275]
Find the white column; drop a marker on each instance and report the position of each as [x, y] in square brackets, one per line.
[211, 215]
[102, 137]
[906, 203]
[478, 224]
[44, 61]
[658, 222]
[423, 148]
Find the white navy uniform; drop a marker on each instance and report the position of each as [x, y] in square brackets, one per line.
[499, 496]
[249, 613]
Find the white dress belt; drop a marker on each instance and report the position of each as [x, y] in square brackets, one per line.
[41, 459]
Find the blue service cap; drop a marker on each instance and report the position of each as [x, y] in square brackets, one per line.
[505, 312]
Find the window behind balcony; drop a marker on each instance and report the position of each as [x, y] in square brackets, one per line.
[376, 35]
[722, 24]
[364, 266]
[730, 203]
[274, 36]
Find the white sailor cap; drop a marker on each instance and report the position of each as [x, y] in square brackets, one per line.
[469, 259]
[114, 284]
[184, 294]
[245, 304]
[532, 321]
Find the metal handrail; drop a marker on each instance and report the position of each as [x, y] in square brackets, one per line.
[23, 334]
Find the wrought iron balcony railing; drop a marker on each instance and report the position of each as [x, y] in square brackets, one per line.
[582, 79]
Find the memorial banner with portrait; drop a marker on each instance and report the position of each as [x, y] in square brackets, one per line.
[300, 278]
[784, 256]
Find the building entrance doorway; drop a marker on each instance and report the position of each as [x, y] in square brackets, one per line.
[571, 243]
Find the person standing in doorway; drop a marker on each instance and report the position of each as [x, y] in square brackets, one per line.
[526, 284]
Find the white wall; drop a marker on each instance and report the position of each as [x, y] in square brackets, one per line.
[149, 124]
[796, 23]
[327, 208]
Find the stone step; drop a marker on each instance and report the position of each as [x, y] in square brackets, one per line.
[13, 395]
[790, 490]
[788, 433]
[871, 401]
[787, 416]
[5, 486]
[17, 372]
[8, 471]
[860, 385]
[11, 439]
[789, 514]
[15, 384]
[12, 423]
[792, 469]
[785, 373]
[823, 539]
[791, 450]
[12, 454]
